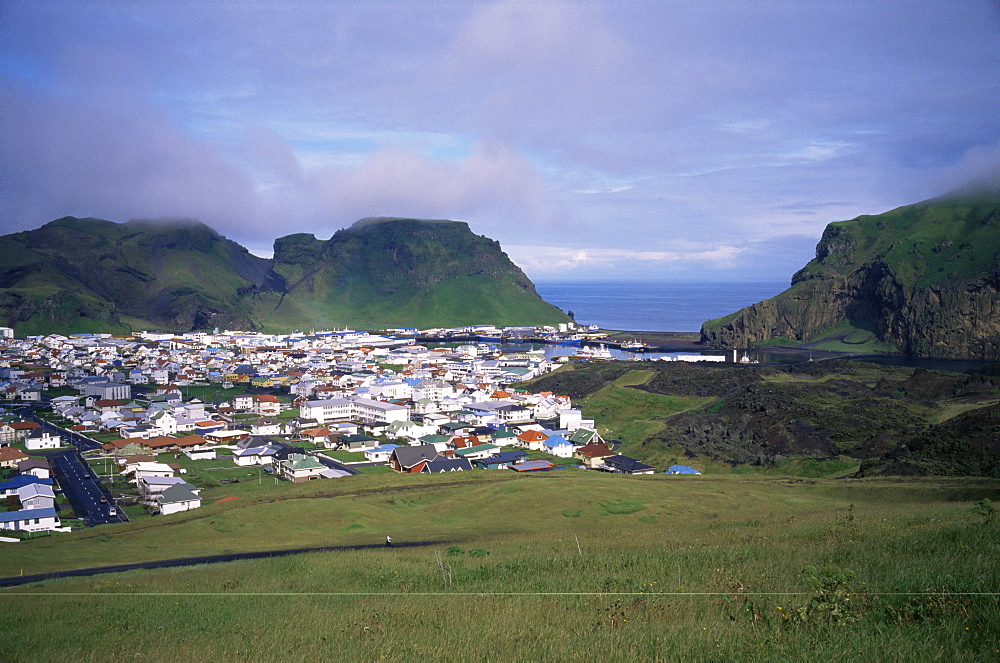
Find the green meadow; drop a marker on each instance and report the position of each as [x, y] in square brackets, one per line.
[564, 565]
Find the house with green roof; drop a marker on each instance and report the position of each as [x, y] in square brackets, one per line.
[177, 498]
[299, 468]
[477, 452]
[440, 442]
[583, 436]
[503, 437]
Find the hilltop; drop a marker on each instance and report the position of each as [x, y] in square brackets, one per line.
[89, 275]
[384, 272]
[922, 280]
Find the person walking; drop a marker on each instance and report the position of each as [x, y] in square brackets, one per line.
[388, 542]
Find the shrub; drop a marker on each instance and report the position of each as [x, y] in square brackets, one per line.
[831, 602]
[985, 509]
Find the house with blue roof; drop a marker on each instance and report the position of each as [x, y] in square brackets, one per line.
[381, 453]
[11, 487]
[31, 520]
[501, 460]
[557, 445]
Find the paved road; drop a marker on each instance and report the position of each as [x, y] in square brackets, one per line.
[80, 486]
[206, 559]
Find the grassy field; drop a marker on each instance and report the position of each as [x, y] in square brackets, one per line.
[627, 413]
[566, 565]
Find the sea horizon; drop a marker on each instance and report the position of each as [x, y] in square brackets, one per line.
[660, 306]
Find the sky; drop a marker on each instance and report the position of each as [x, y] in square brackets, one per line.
[637, 140]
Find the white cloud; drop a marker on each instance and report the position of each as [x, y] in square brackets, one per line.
[548, 260]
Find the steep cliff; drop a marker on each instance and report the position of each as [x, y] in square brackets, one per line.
[924, 278]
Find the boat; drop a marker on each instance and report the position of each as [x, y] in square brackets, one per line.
[590, 353]
[565, 340]
[634, 345]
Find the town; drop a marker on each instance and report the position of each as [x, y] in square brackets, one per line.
[98, 429]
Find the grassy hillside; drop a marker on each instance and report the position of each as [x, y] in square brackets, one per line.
[952, 238]
[76, 275]
[569, 564]
[921, 280]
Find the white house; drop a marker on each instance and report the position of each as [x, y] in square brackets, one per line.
[557, 445]
[179, 497]
[570, 419]
[326, 410]
[147, 469]
[36, 496]
[503, 411]
[255, 456]
[40, 438]
[164, 421]
[267, 426]
[365, 410]
[267, 405]
[31, 520]
[200, 454]
[243, 402]
[150, 487]
[380, 454]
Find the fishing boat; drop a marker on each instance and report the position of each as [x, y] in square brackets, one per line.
[634, 345]
[590, 353]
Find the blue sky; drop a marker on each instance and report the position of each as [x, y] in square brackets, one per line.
[635, 140]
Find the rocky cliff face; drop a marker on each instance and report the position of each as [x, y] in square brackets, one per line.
[924, 278]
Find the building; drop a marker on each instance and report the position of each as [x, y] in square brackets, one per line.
[299, 468]
[40, 438]
[177, 498]
[626, 465]
[107, 390]
[365, 410]
[30, 520]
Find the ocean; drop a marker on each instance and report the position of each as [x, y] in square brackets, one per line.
[644, 306]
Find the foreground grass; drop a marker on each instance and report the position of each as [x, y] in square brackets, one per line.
[568, 565]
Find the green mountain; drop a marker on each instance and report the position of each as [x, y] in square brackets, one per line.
[384, 272]
[923, 280]
[86, 275]
[80, 275]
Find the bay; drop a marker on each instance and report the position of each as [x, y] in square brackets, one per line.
[654, 306]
